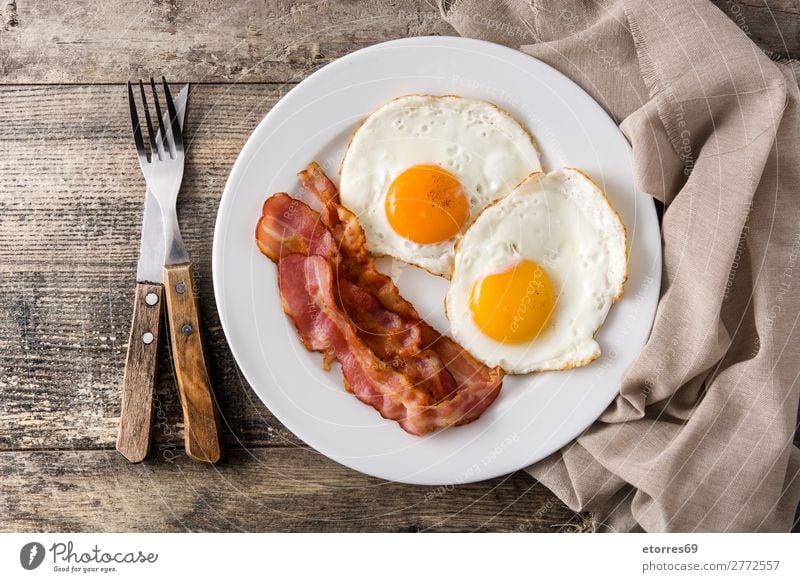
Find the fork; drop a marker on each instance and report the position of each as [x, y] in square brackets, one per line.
[163, 172]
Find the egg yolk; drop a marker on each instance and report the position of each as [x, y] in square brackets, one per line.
[515, 305]
[426, 204]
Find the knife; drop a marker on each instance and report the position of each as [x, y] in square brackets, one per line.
[141, 360]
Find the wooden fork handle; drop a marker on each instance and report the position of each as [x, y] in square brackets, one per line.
[136, 417]
[200, 417]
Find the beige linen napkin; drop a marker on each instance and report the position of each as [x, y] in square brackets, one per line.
[700, 437]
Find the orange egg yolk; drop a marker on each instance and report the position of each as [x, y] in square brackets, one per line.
[426, 204]
[515, 305]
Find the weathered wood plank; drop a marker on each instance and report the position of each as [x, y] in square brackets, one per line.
[92, 41]
[254, 490]
[70, 213]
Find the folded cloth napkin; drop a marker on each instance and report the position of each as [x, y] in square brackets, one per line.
[701, 435]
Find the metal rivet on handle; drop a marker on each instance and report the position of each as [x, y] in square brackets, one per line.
[181, 287]
[186, 329]
[148, 338]
[151, 299]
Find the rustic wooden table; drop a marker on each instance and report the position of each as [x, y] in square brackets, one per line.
[70, 209]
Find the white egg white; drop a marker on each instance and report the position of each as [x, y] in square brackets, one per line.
[563, 222]
[481, 145]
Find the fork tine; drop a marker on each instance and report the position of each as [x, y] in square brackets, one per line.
[160, 120]
[151, 134]
[177, 134]
[137, 129]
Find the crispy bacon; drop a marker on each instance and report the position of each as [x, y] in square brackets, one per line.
[387, 334]
[358, 264]
[345, 308]
[289, 226]
[361, 268]
[325, 327]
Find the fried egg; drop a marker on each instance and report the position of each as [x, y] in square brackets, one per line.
[536, 275]
[421, 169]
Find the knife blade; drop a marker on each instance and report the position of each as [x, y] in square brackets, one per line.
[138, 383]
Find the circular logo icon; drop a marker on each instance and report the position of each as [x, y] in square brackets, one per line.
[31, 555]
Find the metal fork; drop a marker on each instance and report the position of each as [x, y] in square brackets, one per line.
[163, 172]
[163, 169]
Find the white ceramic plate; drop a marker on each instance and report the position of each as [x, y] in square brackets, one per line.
[534, 415]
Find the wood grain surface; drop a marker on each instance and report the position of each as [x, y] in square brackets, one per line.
[71, 198]
[105, 41]
[258, 489]
[201, 427]
[139, 377]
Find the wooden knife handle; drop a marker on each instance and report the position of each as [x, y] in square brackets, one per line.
[202, 435]
[141, 365]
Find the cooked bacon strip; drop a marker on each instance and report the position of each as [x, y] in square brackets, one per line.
[314, 179]
[427, 368]
[358, 264]
[388, 334]
[391, 359]
[396, 341]
[290, 226]
[287, 225]
[324, 327]
[306, 286]
[350, 237]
